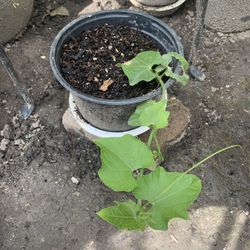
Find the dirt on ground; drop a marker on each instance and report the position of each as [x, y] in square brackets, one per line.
[43, 208]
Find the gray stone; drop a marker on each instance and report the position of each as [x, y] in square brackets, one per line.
[190, 13]
[35, 124]
[18, 142]
[3, 144]
[6, 132]
[15, 121]
[75, 180]
[213, 89]
[228, 15]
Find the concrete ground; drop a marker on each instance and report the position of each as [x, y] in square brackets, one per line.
[42, 209]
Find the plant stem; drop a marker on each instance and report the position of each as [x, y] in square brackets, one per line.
[158, 148]
[151, 136]
[193, 167]
[210, 156]
[164, 91]
[164, 97]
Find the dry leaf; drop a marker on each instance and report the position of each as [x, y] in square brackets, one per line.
[60, 11]
[106, 84]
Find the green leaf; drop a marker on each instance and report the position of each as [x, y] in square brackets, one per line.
[140, 67]
[125, 215]
[120, 157]
[166, 60]
[169, 193]
[159, 69]
[183, 79]
[150, 113]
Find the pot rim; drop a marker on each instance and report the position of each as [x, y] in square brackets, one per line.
[114, 102]
[158, 8]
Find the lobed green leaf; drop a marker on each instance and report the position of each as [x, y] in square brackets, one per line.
[166, 60]
[150, 113]
[140, 67]
[125, 215]
[183, 79]
[120, 157]
[169, 193]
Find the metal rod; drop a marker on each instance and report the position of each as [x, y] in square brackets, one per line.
[12, 73]
[201, 9]
[28, 107]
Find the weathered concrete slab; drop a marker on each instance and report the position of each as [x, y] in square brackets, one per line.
[228, 15]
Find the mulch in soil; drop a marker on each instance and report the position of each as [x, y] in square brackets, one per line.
[89, 60]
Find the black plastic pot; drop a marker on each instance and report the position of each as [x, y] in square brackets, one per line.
[112, 115]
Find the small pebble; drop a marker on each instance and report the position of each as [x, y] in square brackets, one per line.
[35, 124]
[18, 142]
[43, 57]
[15, 121]
[75, 180]
[190, 13]
[213, 89]
[231, 40]
[3, 144]
[76, 194]
[6, 132]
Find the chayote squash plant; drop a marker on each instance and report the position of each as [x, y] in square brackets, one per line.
[129, 165]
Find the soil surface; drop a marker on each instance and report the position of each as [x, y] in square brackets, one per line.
[90, 60]
[41, 208]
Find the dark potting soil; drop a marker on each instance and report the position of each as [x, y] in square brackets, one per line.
[89, 60]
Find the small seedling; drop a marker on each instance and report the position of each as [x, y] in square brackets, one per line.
[159, 195]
